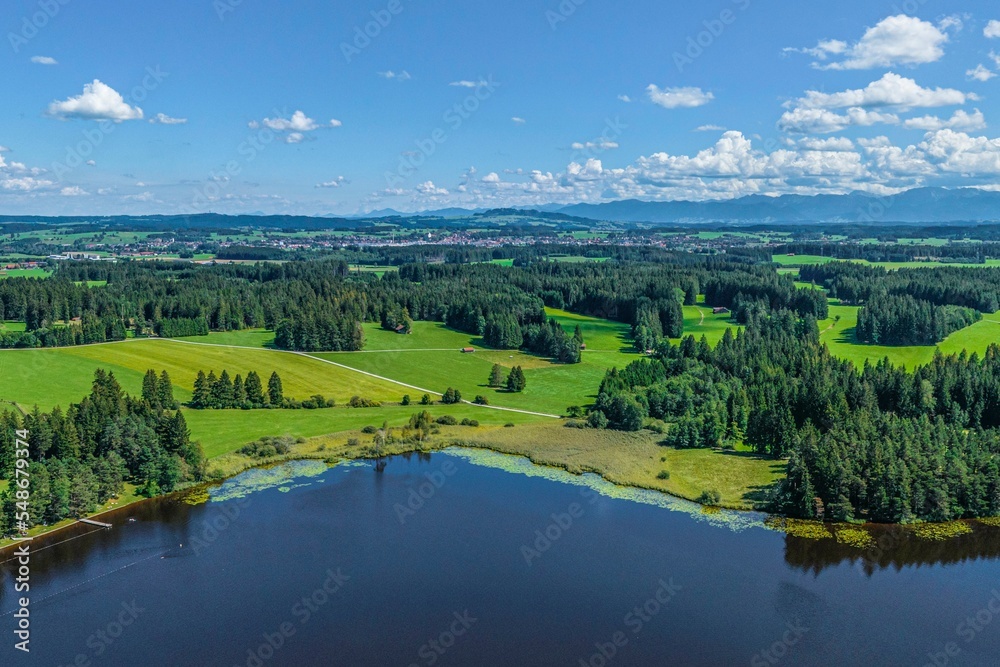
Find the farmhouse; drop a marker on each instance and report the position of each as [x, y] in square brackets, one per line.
[468, 350]
[720, 311]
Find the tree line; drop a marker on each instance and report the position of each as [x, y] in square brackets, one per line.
[877, 443]
[81, 458]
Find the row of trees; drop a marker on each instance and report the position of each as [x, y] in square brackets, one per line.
[227, 393]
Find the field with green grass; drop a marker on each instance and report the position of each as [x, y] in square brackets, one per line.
[839, 336]
[791, 261]
[51, 377]
[24, 273]
[431, 358]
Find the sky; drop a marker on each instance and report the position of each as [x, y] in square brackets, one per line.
[328, 107]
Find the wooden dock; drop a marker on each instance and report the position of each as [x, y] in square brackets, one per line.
[91, 522]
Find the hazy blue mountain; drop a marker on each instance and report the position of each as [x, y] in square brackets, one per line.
[918, 205]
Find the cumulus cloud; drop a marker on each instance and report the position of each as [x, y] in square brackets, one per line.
[44, 60]
[164, 119]
[429, 189]
[596, 145]
[98, 101]
[895, 41]
[73, 191]
[396, 76]
[674, 98]
[961, 121]
[625, 98]
[824, 121]
[296, 127]
[335, 183]
[892, 90]
[992, 29]
[3, 149]
[980, 73]
[299, 122]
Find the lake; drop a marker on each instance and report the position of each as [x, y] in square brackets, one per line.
[472, 558]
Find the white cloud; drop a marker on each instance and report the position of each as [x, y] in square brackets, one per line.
[710, 128]
[164, 119]
[674, 98]
[492, 177]
[824, 121]
[397, 76]
[3, 149]
[98, 102]
[429, 189]
[518, 120]
[23, 184]
[596, 145]
[44, 60]
[961, 121]
[992, 30]
[894, 41]
[335, 183]
[91, 163]
[299, 122]
[625, 98]
[297, 126]
[830, 144]
[482, 83]
[143, 197]
[980, 73]
[892, 90]
[74, 191]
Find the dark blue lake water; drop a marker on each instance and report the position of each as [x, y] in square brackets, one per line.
[465, 560]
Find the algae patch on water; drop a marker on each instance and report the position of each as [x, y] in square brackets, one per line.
[810, 530]
[938, 532]
[854, 537]
[734, 520]
[275, 477]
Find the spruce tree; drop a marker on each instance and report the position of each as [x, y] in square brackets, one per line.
[275, 392]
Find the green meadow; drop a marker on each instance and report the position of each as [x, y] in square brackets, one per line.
[24, 273]
[839, 337]
[793, 261]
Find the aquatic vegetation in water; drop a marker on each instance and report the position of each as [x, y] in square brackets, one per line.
[941, 531]
[733, 520]
[260, 479]
[810, 530]
[858, 538]
[196, 497]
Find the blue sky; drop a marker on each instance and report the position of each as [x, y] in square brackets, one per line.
[244, 106]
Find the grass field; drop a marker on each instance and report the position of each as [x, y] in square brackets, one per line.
[636, 459]
[24, 273]
[786, 261]
[700, 321]
[839, 336]
[431, 358]
[60, 376]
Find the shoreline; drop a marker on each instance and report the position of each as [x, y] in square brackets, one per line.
[234, 464]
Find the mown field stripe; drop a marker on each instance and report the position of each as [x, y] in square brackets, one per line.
[371, 375]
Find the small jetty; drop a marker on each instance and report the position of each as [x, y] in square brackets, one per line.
[91, 522]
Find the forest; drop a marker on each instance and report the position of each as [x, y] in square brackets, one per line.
[876, 443]
[82, 457]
